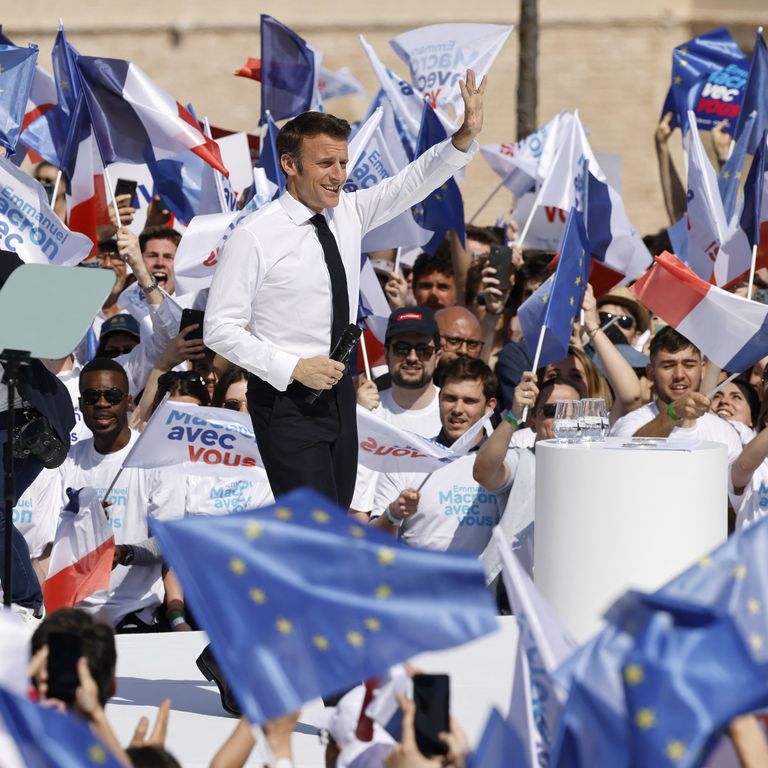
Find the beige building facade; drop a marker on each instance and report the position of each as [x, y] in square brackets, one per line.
[611, 60]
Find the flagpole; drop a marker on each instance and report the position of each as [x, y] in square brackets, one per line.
[585, 174]
[491, 196]
[722, 384]
[56, 185]
[396, 267]
[365, 357]
[529, 220]
[111, 189]
[216, 177]
[535, 364]
[752, 271]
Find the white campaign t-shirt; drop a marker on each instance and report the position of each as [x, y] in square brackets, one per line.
[751, 504]
[422, 421]
[454, 512]
[707, 427]
[137, 495]
[225, 495]
[36, 513]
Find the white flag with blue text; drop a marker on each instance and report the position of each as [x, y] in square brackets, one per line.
[440, 54]
[28, 225]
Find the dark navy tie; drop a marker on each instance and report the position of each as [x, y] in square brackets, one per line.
[339, 296]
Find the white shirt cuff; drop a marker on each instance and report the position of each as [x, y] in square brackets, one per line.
[280, 372]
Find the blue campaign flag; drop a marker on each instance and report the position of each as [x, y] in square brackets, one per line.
[499, 745]
[687, 676]
[708, 76]
[289, 72]
[300, 601]
[753, 195]
[17, 69]
[755, 96]
[443, 209]
[47, 738]
[268, 157]
[558, 300]
[729, 179]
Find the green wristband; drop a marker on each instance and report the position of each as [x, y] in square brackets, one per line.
[510, 418]
[672, 413]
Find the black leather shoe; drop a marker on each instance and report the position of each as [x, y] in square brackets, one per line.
[208, 665]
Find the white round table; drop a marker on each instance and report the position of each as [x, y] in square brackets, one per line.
[611, 519]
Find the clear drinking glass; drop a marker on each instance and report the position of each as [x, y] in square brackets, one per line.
[593, 419]
[566, 423]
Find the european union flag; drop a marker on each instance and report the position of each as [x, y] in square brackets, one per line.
[558, 300]
[45, 737]
[443, 209]
[288, 76]
[733, 578]
[755, 96]
[17, 68]
[729, 179]
[269, 159]
[753, 194]
[63, 58]
[688, 674]
[300, 601]
[499, 746]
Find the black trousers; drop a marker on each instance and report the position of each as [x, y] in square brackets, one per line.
[307, 444]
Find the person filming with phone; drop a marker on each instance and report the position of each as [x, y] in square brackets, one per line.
[286, 289]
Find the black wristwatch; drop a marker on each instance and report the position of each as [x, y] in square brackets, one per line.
[130, 554]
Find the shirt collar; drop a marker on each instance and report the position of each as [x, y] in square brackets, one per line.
[297, 211]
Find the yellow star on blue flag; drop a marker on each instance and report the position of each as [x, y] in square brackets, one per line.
[300, 602]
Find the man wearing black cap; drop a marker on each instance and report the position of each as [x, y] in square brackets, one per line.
[119, 335]
[412, 341]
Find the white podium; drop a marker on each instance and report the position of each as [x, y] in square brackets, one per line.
[608, 520]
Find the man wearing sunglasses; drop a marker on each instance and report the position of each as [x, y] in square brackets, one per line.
[412, 342]
[631, 317]
[135, 590]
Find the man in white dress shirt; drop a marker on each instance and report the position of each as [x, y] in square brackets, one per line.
[287, 285]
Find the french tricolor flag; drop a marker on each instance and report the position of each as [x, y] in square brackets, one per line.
[81, 559]
[135, 120]
[730, 330]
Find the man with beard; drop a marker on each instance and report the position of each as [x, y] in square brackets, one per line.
[412, 341]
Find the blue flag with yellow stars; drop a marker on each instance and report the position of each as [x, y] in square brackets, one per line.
[558, 300]
[45, 737]
[300, 601]
[443, 209]
[17, 68]
[688, 675]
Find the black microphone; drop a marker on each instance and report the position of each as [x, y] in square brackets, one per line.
[340, 353]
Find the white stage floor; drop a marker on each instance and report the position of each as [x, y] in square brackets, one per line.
[151, 668]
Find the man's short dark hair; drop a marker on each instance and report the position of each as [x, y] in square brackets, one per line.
[309, 124]
[440, 262]
[485, 235]
[669, 340]
[97, 640]
[158, 233]
[471, 369]
[103, 364]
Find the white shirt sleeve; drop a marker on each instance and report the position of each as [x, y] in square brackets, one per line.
[239, 275]
[382, 202]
